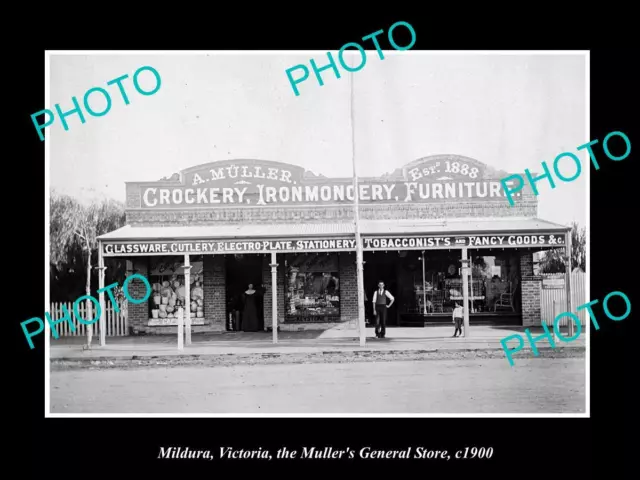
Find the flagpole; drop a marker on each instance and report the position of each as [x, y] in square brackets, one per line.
[356, 217]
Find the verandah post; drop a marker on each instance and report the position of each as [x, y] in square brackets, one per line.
[181, 329]
[103, 311]
[465, 290]
[274, 296]
[187, 297]
[568, 281]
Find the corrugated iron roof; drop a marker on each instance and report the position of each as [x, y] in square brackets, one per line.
[367, 227]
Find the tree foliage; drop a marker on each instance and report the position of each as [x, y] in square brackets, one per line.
[74, 230]
[578, 247]
[554, 261]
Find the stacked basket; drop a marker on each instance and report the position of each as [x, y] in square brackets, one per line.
[169, 295]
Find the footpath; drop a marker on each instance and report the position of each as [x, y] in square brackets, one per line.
[434, 342]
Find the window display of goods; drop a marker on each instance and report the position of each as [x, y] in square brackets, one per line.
[197, 293]
[180, 292]
[170, 295]
[166, 292]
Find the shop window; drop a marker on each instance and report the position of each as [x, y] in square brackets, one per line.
[312, 292]
[499, 278]
[167, 279]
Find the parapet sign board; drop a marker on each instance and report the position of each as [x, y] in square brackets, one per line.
[255, 183]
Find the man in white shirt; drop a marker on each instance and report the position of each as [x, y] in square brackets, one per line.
[458, 314]
[380, 308]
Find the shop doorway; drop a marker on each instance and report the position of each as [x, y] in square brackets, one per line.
[241, 271]
[381, 267]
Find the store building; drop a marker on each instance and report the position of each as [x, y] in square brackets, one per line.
[230, 220]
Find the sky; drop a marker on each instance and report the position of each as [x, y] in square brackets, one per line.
[509, 111]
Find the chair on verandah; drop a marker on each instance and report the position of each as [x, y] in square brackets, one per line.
[438, 301]
[505, 300]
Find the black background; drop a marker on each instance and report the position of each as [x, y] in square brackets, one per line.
[523, 448]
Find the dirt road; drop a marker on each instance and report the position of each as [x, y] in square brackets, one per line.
[534, 385]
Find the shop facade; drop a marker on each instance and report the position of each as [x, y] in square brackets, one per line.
[203, 235]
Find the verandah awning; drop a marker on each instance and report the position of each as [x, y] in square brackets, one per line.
[377, 235]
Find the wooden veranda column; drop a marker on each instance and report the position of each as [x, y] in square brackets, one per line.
[181, 328]
[465, 290]
[187, 298]
[568, 282]
[274, 296]
[102, 322]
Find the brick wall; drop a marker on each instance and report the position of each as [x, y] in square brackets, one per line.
[531, 284]
[215, 292]
[348, 289]
[137, 314]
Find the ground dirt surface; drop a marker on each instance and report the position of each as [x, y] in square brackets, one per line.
[316, 357]
[477, 383]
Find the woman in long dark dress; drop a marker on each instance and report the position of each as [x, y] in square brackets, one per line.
[249, 311]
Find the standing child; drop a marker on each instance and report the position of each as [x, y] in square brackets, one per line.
[457, 319]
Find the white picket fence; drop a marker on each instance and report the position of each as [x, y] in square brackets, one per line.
[116, 323]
